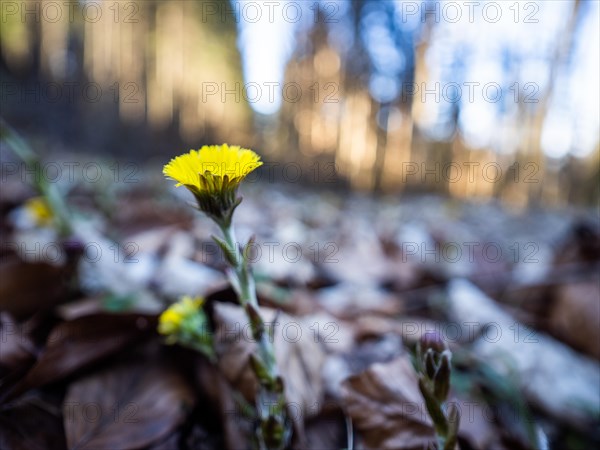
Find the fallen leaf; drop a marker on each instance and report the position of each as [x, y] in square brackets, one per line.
[31, 424]
[386, 407]
[126, 407]
[327, 430]
[338, 367]
[76, 344]
[29, 287]
[575, 316]
[17, 348]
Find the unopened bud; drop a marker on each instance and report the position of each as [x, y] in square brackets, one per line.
[433, 340]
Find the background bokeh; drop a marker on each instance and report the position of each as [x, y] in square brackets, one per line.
[473, 99]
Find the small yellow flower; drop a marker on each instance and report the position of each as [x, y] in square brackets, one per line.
[170, 321]
[39, 210]
[213, 174]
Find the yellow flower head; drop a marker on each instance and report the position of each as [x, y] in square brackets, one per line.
[213, 174]
[39, 210]
[221, 161]
[171, 320]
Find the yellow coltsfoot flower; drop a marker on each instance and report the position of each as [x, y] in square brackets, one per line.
[171, 320]
[186, 323]
[213, 174]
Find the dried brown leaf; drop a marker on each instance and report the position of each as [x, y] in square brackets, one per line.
[575, 316]
[29, 287]
[386, 407]
[31, 424]
[130, 406]
[78, 343]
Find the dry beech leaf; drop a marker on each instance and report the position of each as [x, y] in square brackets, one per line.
[386, 407]
[477, 426]
[575, 316]
[388, 410]
[76, 344]
[299, 357]
[126, 407]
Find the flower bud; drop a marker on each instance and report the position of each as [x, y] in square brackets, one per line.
[433, 340]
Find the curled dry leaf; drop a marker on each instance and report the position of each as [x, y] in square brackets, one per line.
[386, 407]
[127, 407]
[76, 344]
[299, 357]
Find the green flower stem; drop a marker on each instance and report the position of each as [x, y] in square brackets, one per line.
[274, 431]
[244, 278]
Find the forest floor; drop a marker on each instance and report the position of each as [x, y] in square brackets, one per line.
[357, 279]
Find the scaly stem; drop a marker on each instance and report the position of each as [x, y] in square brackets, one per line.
[247, 292]
[273, 432]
